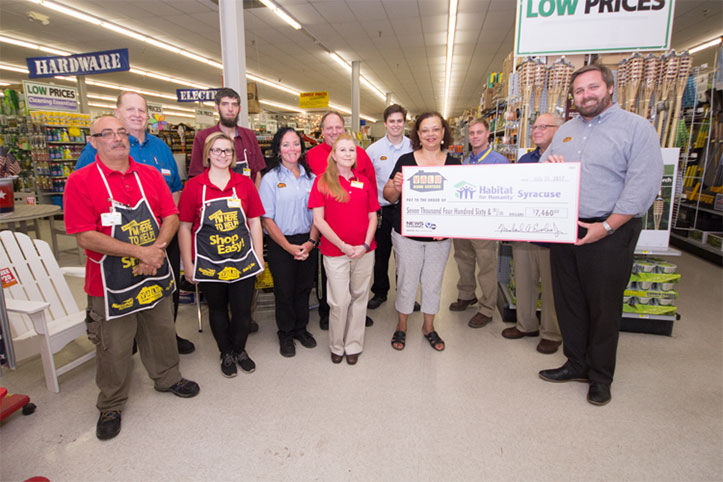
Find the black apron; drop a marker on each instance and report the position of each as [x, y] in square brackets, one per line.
[224, 249]
[126, 293]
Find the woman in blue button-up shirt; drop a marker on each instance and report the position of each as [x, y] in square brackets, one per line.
[292, 258]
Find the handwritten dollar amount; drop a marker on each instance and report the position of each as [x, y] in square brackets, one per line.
[545, 212]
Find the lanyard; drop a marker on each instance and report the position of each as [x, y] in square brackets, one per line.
[482, 158]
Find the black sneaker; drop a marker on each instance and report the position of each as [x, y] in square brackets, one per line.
[286, 347]
[306, 339]
[109, 425]
[253, 326]
[368, 322]
[376, 301]
[246, 363]
[324, 322]
[228, 365]
[182, 388]
[184, 346]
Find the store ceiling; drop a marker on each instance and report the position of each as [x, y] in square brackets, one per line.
[401, 44]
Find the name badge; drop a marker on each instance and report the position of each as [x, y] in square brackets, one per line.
[111, 219]
[280, 185]
[247, 172]
[357, 184]
[166, 172]
[234, 202]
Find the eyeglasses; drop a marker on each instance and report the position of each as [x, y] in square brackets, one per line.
[110, 133]
[221, 152]
[543, 126]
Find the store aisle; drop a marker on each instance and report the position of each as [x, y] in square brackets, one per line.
[476, 411]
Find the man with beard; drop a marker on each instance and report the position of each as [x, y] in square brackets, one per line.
[249, 159]
[621, 172]
[145, 148]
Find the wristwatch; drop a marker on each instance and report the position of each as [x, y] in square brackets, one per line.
[313, 243]
[608, 228]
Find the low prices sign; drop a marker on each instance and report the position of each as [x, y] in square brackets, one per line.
[40, 96]
[546, 27]
[7, 277]
[314, 100]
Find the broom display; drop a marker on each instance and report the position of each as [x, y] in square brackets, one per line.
[669, 74]
[634, 76]
[527, 78]
[540, 73]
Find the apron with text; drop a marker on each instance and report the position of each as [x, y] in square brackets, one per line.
[124, 292]
[224, 250]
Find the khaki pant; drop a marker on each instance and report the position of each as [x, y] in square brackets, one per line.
[155, 335]
[484, 252]
[532, 263]
[347, 292]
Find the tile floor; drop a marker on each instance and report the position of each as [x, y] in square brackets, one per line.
[477, 411]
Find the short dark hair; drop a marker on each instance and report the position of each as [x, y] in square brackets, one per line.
[327, 114]
[393, 109]
[416, 143]
[480, 120]
[226, 92]
[607, 74]
[275, 160]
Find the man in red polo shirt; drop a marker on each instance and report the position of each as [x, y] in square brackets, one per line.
[332, 126]
[124, 216]
[249, 158]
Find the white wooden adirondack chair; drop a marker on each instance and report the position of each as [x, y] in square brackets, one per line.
[41, 303]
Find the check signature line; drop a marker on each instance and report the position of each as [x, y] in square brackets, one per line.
[546, 228]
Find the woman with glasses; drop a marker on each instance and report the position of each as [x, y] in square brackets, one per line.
[222, 247]
[419, 260]
[284, 192]
[345, 212]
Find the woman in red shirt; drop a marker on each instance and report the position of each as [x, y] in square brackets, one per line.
[222, 247]
[345, 206]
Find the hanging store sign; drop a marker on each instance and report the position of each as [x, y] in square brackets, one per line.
[314, 100]
[50, 97]
[204, 117]
[546, 27]
[196, 95]
[79, 64]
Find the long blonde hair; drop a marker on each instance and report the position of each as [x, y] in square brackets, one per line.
[329, 181]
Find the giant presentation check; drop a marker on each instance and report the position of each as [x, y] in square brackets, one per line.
[517, 202]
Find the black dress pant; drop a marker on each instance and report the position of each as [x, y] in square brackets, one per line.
[588, 282]
[383, 238]
[174, 259]
[293, 281]
[323, 305]
[230, 332]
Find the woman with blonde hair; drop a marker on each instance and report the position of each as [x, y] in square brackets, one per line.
[344, 203]
[222, 247]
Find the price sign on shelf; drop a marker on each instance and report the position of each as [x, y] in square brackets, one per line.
[8, 278]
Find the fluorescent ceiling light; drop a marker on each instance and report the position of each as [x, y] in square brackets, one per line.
[282, 14]
[102, 106]
[705, 45]
[69, 11]
[13, 68]
[340, 61]
[451, 30]
[273, 84]
[366, 82]
[30, 45]
[281, 106]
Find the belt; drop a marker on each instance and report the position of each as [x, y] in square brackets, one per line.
[594, 220]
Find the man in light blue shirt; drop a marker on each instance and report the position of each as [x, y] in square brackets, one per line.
[132, 111]
[621, 172]
[384, 154]
[482, 252]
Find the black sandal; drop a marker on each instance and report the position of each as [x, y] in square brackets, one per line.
[434, 340]
[399, 338]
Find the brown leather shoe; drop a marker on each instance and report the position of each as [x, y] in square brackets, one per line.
[479, 320]
[513, 333]
[336, 358]
[352, 359]
[461, 305]
[548, 346]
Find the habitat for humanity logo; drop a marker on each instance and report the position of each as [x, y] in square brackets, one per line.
[426, 181]
[464, 190]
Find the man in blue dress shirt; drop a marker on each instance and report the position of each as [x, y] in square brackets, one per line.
[132, 111]
[482, 252]
[621, 172]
